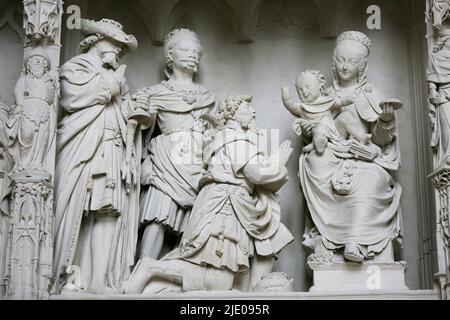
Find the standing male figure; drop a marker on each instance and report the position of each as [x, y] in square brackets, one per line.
[96, 210]
[173, 164]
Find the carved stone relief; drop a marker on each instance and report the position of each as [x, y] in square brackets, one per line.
[339, 141]
[42, 19]
[31, 130]
[235, 218]
[438, 77]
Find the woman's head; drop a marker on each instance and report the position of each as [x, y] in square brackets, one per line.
[350, 59]
[182, 50]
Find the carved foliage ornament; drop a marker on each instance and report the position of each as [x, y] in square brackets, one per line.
[41, 19]
[438, 12]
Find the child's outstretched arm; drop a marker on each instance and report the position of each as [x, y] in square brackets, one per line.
[293, 107]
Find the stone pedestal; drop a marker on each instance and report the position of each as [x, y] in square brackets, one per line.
[331, 273]
[30, 243]
[351, 276]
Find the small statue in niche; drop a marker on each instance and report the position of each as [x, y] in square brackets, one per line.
[235, 225]
[35, 93]
[360, 213]
[438, 76]
[319, 107]
[6, 165]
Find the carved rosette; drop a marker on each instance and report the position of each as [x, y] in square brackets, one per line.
[29, 273]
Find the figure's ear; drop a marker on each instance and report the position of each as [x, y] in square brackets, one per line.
[170, 54]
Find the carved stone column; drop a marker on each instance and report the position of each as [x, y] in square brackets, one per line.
[438, 34]
[30, 240]
[441, 181]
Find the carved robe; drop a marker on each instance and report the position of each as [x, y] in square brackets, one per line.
[439, 73]
[91, 149]
[352, 200]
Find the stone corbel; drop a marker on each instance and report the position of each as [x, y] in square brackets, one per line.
[243, 15]
[160, 16]
[330, 15]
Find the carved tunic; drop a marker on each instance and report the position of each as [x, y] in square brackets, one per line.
[173, 166]
[235, 215]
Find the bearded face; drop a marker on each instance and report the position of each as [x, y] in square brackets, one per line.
[110, 60]
[109, 51]
[246, 117]
[37, 67]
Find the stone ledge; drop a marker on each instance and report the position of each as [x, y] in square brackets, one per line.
[355, 295]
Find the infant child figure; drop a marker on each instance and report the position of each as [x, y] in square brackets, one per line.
[317, 111]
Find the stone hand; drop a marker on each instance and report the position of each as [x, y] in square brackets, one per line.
[433, 94]
[387, 114]
[119, 74]
[129, 174]
[285, 152]
[142, 100]
[347, 100]
[308, 126]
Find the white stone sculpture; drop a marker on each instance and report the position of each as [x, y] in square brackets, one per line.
[96, 199]
[6, 164]
[317, 108]
[438, 13]
[173, 148]
[438, 76]
[235, 225]
[42, 19]
[35, 94]
[353, 201]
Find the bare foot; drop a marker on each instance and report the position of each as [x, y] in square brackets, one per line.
[352, 253]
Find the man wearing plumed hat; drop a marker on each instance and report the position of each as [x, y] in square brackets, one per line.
[96, 209]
